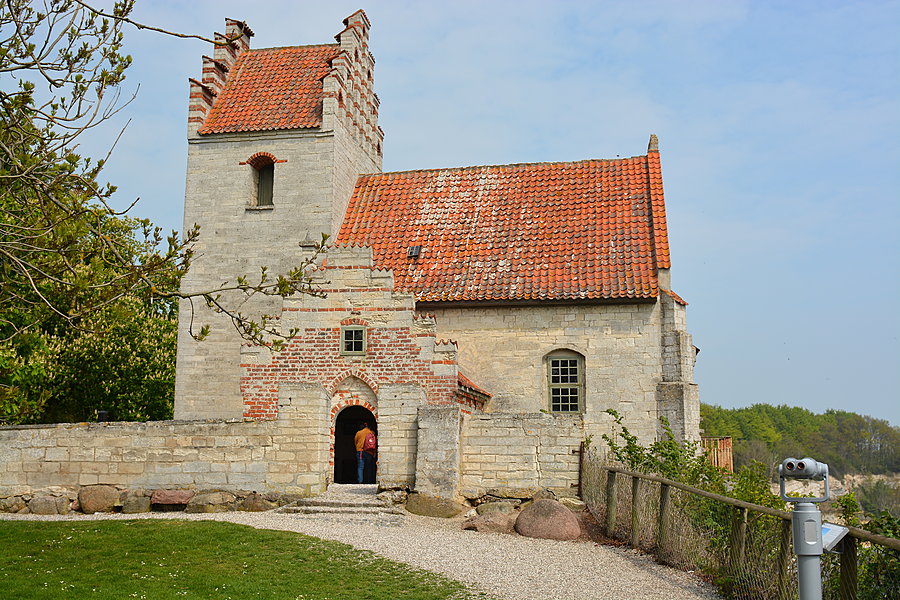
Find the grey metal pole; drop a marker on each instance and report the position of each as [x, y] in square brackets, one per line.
[806, 522]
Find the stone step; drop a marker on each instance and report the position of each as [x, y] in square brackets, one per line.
[342, 510]
[346, 502]
[378, 519]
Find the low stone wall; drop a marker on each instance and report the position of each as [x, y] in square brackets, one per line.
[281, 455]
[506, 454]
[436, 449]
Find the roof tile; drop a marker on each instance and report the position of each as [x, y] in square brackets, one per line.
[273, 88]
[584, 230]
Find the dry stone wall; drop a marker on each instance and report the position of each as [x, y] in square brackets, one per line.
[283, 455]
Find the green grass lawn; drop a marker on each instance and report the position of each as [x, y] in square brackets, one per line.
[161, 559]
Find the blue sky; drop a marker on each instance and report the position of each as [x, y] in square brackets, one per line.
[778, 125]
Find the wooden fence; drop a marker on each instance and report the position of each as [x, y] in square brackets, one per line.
[719, 452]
[778, 560]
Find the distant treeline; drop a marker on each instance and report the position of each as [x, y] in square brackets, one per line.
[848, 442]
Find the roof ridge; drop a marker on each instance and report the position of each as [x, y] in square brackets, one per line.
[255, 50]
[522, 164]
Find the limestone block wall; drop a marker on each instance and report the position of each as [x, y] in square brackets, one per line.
[439, 451]
[289, 455]
[315, 172]
[504, 349]
[236, 239]
[524, 451]
[398, 434]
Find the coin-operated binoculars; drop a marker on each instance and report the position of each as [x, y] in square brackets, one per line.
[810, 537]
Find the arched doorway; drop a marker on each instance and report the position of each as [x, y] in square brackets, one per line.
[345, 427]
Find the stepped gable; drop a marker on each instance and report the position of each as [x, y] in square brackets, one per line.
[273, 88]
[587, 230]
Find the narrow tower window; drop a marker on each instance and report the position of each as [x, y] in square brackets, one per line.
[265, 179]
[263, 165]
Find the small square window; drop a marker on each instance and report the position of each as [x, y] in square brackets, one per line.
[353, 340]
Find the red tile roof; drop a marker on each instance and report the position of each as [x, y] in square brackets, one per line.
[467, 385]
[674, 297]
[585, 230]
[273, 88]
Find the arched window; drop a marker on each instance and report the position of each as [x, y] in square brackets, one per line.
[565, 381]
[263, 165]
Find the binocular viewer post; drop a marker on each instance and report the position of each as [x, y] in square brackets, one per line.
[803, 468]
[806, 525]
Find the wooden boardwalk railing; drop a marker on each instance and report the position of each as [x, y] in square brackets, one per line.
[738, 535]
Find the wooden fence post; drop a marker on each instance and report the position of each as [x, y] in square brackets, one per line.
[784, 561]
[635, 522]
[849, 569]
[662, 539]
[738, 539]
[611, 503]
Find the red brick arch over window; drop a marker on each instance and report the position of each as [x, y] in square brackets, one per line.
[261, 159]
[355, 321]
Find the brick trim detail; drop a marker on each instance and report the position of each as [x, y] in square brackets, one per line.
[262, 159]
[354, 321]
[339, 406]
[331, 387]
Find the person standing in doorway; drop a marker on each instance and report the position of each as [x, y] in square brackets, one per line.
[366, 445]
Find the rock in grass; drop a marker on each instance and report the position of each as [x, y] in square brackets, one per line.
[98, 498]
[48, 505]
[433, 506]
[136, 504]
[549, 520]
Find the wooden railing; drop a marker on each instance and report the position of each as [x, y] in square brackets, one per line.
[738, 534]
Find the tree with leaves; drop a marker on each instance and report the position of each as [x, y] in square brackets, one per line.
[848, 442]
[69, 261]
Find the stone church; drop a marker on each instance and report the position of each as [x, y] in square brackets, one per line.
[482, 318]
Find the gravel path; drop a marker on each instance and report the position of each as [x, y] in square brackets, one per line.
[505, 566]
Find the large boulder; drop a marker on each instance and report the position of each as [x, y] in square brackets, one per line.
[136, 502]
[98, 498]
[171, 497]
[433, 506]
[492, 522]
[12, 504]
[211, 502]
[549, 520]
[506, 508]
[256, 503]
[48, 505]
